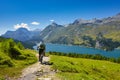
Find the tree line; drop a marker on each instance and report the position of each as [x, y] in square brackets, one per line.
[87, 56]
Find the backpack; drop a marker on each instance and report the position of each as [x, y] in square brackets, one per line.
[42, 46]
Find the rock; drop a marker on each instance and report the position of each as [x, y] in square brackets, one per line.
[44, 79]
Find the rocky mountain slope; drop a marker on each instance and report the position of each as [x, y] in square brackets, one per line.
[51, 31]
[74, 32]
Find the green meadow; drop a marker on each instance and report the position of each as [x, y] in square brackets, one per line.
[85, 69]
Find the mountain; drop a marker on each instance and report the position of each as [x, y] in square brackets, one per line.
[49, 32]
[21, 34]
[76, 32]
[81, 21]
[36, 38]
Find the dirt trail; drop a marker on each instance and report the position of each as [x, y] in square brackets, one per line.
[39, 71]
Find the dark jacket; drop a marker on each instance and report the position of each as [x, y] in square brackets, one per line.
[42, 49]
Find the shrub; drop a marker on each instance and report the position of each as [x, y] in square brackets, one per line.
[5, 60]
[22, 57]
[1, 78]
[15, 52]
[118, 60]
[29, 56]
[20, 46]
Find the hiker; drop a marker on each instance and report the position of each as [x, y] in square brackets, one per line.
[41, 49]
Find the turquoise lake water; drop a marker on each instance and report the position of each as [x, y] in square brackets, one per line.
[80, 49]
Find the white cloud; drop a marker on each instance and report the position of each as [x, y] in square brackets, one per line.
[52, 20]
[35, 23]
[22, 25]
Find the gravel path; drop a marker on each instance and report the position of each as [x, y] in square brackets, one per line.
[39, 71]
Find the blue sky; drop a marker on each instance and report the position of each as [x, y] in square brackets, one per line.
[17, 13]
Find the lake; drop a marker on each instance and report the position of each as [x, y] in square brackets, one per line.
[80, 49]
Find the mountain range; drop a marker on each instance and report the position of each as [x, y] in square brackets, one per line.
[22, 34]
[73, 33]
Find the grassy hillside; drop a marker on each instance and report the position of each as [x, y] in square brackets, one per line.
[114, 35]
[85, 69]
[13, 58]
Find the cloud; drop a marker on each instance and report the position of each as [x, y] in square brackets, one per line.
[22, 25]
[35, 23]
[52, 20]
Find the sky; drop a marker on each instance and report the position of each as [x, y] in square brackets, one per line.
[37, 14]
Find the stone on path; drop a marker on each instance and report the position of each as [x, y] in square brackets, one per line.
[44, 79]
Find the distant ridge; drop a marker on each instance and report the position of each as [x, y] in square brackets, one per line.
[21, 34]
